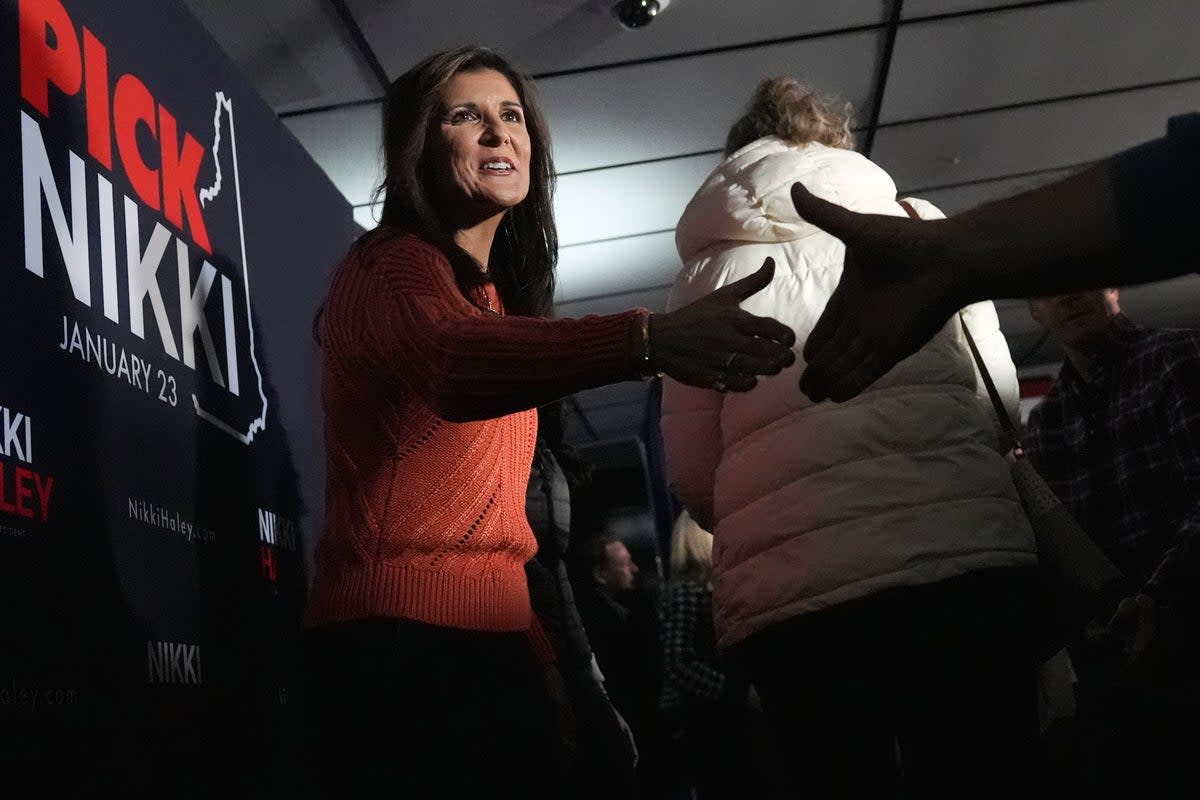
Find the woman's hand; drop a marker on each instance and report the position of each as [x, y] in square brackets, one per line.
[714, 344]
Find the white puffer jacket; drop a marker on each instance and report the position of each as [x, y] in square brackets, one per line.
[814, 505]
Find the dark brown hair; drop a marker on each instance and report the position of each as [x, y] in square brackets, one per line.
[525, 251]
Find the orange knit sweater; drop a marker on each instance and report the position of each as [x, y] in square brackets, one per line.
[429, 438]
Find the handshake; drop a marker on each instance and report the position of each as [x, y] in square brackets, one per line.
[904, 278]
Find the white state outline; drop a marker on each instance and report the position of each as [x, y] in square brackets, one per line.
[214, 190]
[259, 423]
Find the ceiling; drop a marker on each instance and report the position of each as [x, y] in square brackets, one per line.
[961, 101]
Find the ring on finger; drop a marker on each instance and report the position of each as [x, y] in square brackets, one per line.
[719, 386]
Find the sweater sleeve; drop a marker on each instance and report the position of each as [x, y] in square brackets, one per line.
[414, 325]
[1155, 184]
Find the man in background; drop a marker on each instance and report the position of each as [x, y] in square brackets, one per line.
[1118, 440]
[622, 626]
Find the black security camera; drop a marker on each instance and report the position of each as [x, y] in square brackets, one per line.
[635, 14]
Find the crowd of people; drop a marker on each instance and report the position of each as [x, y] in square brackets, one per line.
[852, 592]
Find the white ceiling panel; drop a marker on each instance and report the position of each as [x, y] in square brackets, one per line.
[626, 114]
[615, 267]
[925, 8]
[627, 200]
[295, 52]
[594, 206]
[1016, 141]
[1169, 304]
[960, 198]
[553, 35]
[346, 142]
[621, 115]
[1008, 57]
[368, 216]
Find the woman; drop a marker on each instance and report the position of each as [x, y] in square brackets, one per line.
[874, 567]
[433, 357]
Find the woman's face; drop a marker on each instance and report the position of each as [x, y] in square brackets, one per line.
[482, 147]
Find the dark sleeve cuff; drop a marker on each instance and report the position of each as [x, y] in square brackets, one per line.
[1151, 184]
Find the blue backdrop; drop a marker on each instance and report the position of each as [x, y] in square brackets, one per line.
[165, 245]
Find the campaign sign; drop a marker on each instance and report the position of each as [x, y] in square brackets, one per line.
[166, 243]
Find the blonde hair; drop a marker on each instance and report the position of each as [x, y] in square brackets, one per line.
[691, 551]
[794, 112]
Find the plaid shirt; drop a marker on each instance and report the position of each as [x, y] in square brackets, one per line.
[690, 667]
[1123, 453]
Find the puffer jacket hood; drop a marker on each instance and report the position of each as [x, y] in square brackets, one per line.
[748, 197]
[816, 504]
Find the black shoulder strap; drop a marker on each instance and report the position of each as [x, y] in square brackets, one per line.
[1006, 422]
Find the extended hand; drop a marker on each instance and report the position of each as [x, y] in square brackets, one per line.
[714, 344]
[894, 295]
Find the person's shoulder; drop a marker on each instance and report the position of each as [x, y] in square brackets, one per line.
[1165, 358]
[386, 244]
[1172, 337]
[404, 261]
[765, 164]
[1169, 345]
[814, 163]
[836, 174]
